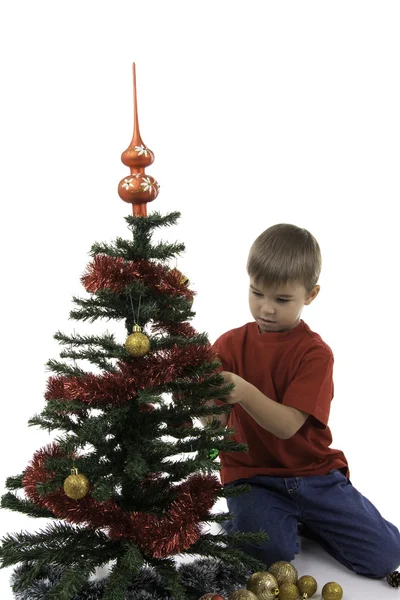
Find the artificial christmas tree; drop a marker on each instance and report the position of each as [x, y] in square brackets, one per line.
[110, 482]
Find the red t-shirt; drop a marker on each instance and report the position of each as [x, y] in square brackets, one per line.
[293, 368]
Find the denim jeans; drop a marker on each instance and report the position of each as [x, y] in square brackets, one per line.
[330, 510]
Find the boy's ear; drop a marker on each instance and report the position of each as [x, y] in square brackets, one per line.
[312, 295]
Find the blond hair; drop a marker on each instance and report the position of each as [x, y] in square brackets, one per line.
[285, 254]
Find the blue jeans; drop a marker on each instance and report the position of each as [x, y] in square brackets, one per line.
[329, 509]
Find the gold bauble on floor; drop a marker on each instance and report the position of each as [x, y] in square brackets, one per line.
[288, 591]
[264, 585]
[332, 591]
[283, 572]
[307, 586]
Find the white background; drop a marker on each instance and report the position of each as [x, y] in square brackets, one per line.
[258, 113]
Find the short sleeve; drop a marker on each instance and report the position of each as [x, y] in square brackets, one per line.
[221, 347]
[311, 390]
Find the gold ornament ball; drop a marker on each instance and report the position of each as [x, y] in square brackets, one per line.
[76, 486]
[332, 591]
[263, 585]
[137, 344]
[184, 280]
[242, 595]
[288, 591]
[284, 572]
[307, 586]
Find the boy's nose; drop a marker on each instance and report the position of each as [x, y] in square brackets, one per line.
[267, 309]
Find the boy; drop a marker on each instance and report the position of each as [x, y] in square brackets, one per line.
[282, 373]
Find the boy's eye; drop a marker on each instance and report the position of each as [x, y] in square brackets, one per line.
[283, 300]
[256, 293]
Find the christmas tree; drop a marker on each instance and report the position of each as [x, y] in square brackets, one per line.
[110, 484]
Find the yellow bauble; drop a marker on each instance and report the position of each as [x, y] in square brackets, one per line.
[184, 280]
[288, 591]
[242, 595]
[76, 486]
[137, 344]
[307, 586]
[284, 572]
[263, 585]
[332, 591]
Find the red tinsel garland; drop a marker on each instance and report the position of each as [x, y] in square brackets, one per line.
[155, 369]
[183, 329]
[156, 536]
[115, 273]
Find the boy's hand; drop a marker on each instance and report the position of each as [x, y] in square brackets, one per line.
[239, 391]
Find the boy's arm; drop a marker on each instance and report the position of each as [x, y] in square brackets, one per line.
[309, 394]
[280, 420]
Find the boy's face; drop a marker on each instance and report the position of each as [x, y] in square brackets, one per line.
[278, 308]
